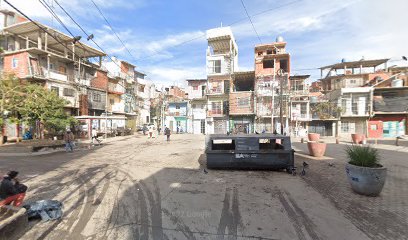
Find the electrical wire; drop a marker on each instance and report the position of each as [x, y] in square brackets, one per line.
[250, 20]
[110, 26]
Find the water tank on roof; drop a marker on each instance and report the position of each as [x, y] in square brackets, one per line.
[397, 83]
[313, 99]
[279, 39]
[343, 60]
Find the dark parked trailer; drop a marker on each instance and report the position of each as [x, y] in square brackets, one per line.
[253, 151]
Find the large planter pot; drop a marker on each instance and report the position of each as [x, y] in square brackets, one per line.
[316, 149]
[366, 181]
[357, 138]
[313, 136]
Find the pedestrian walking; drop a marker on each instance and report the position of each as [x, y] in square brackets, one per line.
[150, 131]
[94, 135]
[69, 140]
[178, 129]
[144, 129]
[11, 190]
[167, 132]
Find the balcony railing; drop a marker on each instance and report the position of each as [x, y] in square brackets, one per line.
[218, 90]
[215, 112]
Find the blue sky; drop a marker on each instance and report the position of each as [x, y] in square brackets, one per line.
[159, 33]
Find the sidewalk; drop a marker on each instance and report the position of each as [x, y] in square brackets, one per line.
[384, 144]
[383, 217]
[25, 150]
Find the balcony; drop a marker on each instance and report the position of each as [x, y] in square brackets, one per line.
[54, 74]
[217, 90]
[115, 88]
[215, 113]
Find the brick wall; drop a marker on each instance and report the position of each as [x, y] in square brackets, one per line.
[101, 80]
[21, 67]
[241, 97]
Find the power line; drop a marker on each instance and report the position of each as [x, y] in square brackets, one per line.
[233, 23]
[110, 26]
[88, 36]
[250, 20]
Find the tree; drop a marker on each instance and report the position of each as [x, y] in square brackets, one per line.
[326, 110]
[46, 107]
[11, 99]
[21, 101]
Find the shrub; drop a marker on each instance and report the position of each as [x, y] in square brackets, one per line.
[364, 156]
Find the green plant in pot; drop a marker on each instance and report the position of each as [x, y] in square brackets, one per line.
[364, 172]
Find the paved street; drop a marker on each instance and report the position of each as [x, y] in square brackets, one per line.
[139, 188]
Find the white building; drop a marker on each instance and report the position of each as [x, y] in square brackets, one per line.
[196, 89]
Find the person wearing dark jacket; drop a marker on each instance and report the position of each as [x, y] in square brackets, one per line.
[11, 190]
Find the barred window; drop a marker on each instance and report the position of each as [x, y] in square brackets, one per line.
[69, 92]
[96, 97]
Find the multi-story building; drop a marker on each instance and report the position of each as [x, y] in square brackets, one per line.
[390, 111]
[124, 73]
[272, 71]
[299, 102]
[221, 62]
[196, 89]
[176, 116]
[343, 85]
[62, 66]
[241, 102]
[143, 96]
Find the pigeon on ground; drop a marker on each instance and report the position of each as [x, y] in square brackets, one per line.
[205, 171]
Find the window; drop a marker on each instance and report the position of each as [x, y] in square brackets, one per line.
[216, 107]
[283, 65]
[69, 92]
[345, 127]
[14, 63]
[269, 51]
[216, 66]
[177, 106]
[260, 53]
[194, 106]
[112, 101]
[242, 102]
[195, 87]
[55, 89]
[96, 97]
[353, 81]
[268, 64]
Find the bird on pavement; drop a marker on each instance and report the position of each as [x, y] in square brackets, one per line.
[205, 171]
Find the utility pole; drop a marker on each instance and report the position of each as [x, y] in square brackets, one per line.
[273, 94]
[281, 106]
[106, 110]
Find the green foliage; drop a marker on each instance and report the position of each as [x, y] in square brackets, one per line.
[25, 102]
[11, 97]
[45, 106]
[364, 156]
[326, 110]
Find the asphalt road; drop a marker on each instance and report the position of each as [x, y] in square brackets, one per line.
[143, 188]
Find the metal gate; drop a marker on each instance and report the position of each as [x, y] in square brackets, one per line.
[220, 126]
[322, 128]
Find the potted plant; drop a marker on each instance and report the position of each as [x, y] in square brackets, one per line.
[313, 136]
[316, 149]
[364, 172]
[357, 138]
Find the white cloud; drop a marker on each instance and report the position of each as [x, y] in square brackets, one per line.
[175, 75]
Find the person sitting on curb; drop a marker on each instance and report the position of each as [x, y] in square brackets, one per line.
[11, 190]
[69, 140]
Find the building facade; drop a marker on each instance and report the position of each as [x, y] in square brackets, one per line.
[196, 90]
[221, 63]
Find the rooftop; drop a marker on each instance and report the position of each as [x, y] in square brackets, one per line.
[357, 64]
[30, 30]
